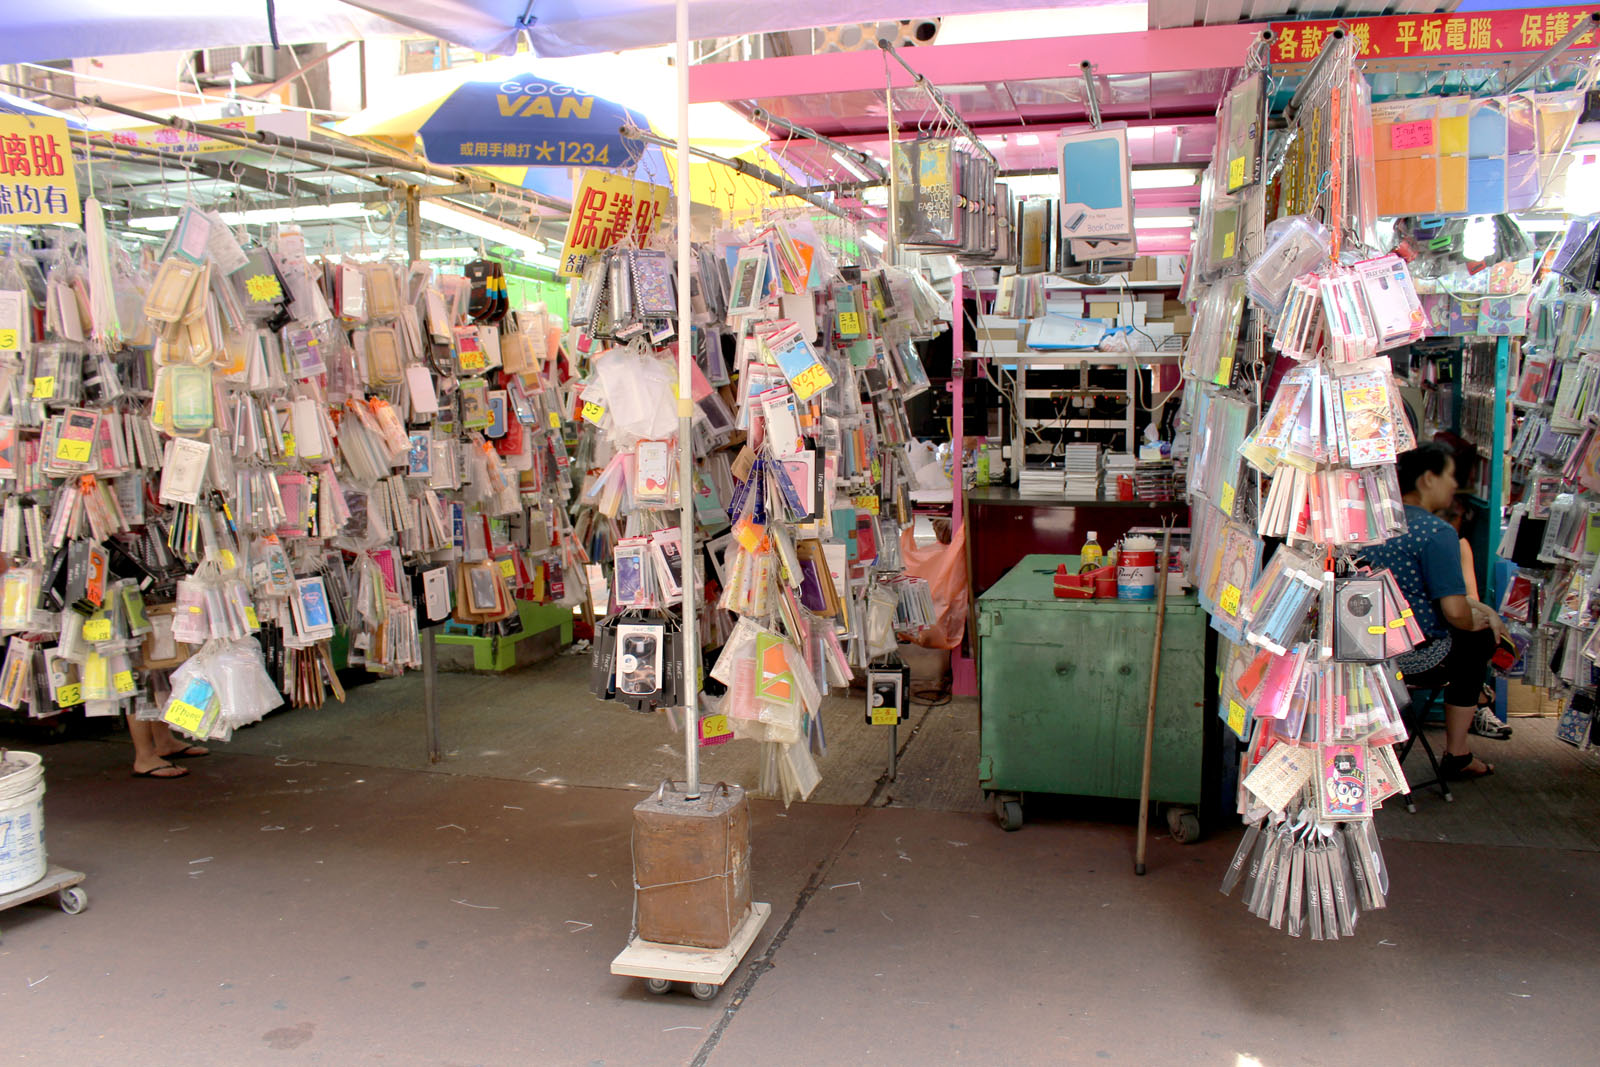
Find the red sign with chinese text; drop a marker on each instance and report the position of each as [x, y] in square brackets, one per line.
[1444, 36]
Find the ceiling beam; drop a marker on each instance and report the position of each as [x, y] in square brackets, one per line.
[1144, 52]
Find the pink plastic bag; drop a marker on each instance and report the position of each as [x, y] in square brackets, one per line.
[944, 567]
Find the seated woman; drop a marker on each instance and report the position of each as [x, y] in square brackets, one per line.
[1461, 631]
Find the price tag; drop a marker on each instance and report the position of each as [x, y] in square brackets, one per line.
[592, 412]
[73, 451]
[184, 716]
[1236, 172]
[43, 388]
[715, 730]
[850, 323]
[1377, 630]
[123, 680]
[158, 413]
[473, 361]
[1227, 245]
[226, 558]
[251, 618]
[69, 695]
[508, 568]
[1229, 600]
[288, 443]
[811, 381]
[866, 502]
[1406, 135]
[1236, 717]
[1228, 493]
[97, 629]
[885, 716]
[11, 311]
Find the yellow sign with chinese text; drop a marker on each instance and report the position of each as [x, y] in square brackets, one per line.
[37, 182]
[179, 142]
[609, 210]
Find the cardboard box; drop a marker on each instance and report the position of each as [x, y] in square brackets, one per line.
[1103, 309]
[1144, 270]
[1182, 324]
[1170, 268]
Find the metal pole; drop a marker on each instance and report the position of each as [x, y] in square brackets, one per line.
[691, 637]
[430, 693]
[783, 185]
[1091, 96]
[1497, 469]
[1323, 57]
[855, 155]
[891, 254]
[894, 751]
[1587, 24]
[939, 101]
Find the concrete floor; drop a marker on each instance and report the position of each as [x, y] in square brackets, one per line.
[298, 901]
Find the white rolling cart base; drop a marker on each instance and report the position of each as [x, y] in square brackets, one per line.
[703, 969]
[55, 880]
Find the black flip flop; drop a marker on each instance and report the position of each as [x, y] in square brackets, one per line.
[1454, 768]
[184, 753]
[151, 773]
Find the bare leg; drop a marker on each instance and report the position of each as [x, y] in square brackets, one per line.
[145, 748]
[1457, 721]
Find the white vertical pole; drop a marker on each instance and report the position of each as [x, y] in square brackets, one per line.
[691, 639]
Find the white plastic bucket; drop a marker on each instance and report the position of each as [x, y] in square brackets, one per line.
[1136, 569]
[22, 860]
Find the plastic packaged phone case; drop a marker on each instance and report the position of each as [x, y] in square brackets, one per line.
[383, 356]
[170, 292]
[189, 400]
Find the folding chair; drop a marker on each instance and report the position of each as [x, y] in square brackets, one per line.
[1414, 717]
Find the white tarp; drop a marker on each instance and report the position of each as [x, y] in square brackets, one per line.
[34, 31]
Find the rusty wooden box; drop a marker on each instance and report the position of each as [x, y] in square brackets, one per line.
[691, 865]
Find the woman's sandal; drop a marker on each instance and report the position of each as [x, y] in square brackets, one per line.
[1459, 768]
[156, 772]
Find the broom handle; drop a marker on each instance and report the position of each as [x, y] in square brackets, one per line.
[1150, 708]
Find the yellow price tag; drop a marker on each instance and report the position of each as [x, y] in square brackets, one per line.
[1377, 630]
[226, 558]
[714, 726]
[1226, 503]
[10, 341]
[73, 451]
[508, 568]
[1236, 172]
[555, 420]
[43, 388]
[885, 716]
[123, 680]
[288, 444]
[850, 323]
[1229, 600]
[473, 361]
[1227, 246]
[251, 617]
[69, 695]
[158, 412]
[97, 629]
[1236, 715]
[184, 716]
[592, 412]
[810, 381]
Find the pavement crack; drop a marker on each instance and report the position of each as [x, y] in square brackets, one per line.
[762, 964]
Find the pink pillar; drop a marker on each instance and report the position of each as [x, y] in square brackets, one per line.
[958, 372]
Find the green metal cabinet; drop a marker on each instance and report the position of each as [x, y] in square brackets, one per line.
[1064, 686]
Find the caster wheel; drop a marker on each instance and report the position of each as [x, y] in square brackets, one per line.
[704, 990]
[1009, 812]
[658, 986]
[74, 900]
[1184, 826]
